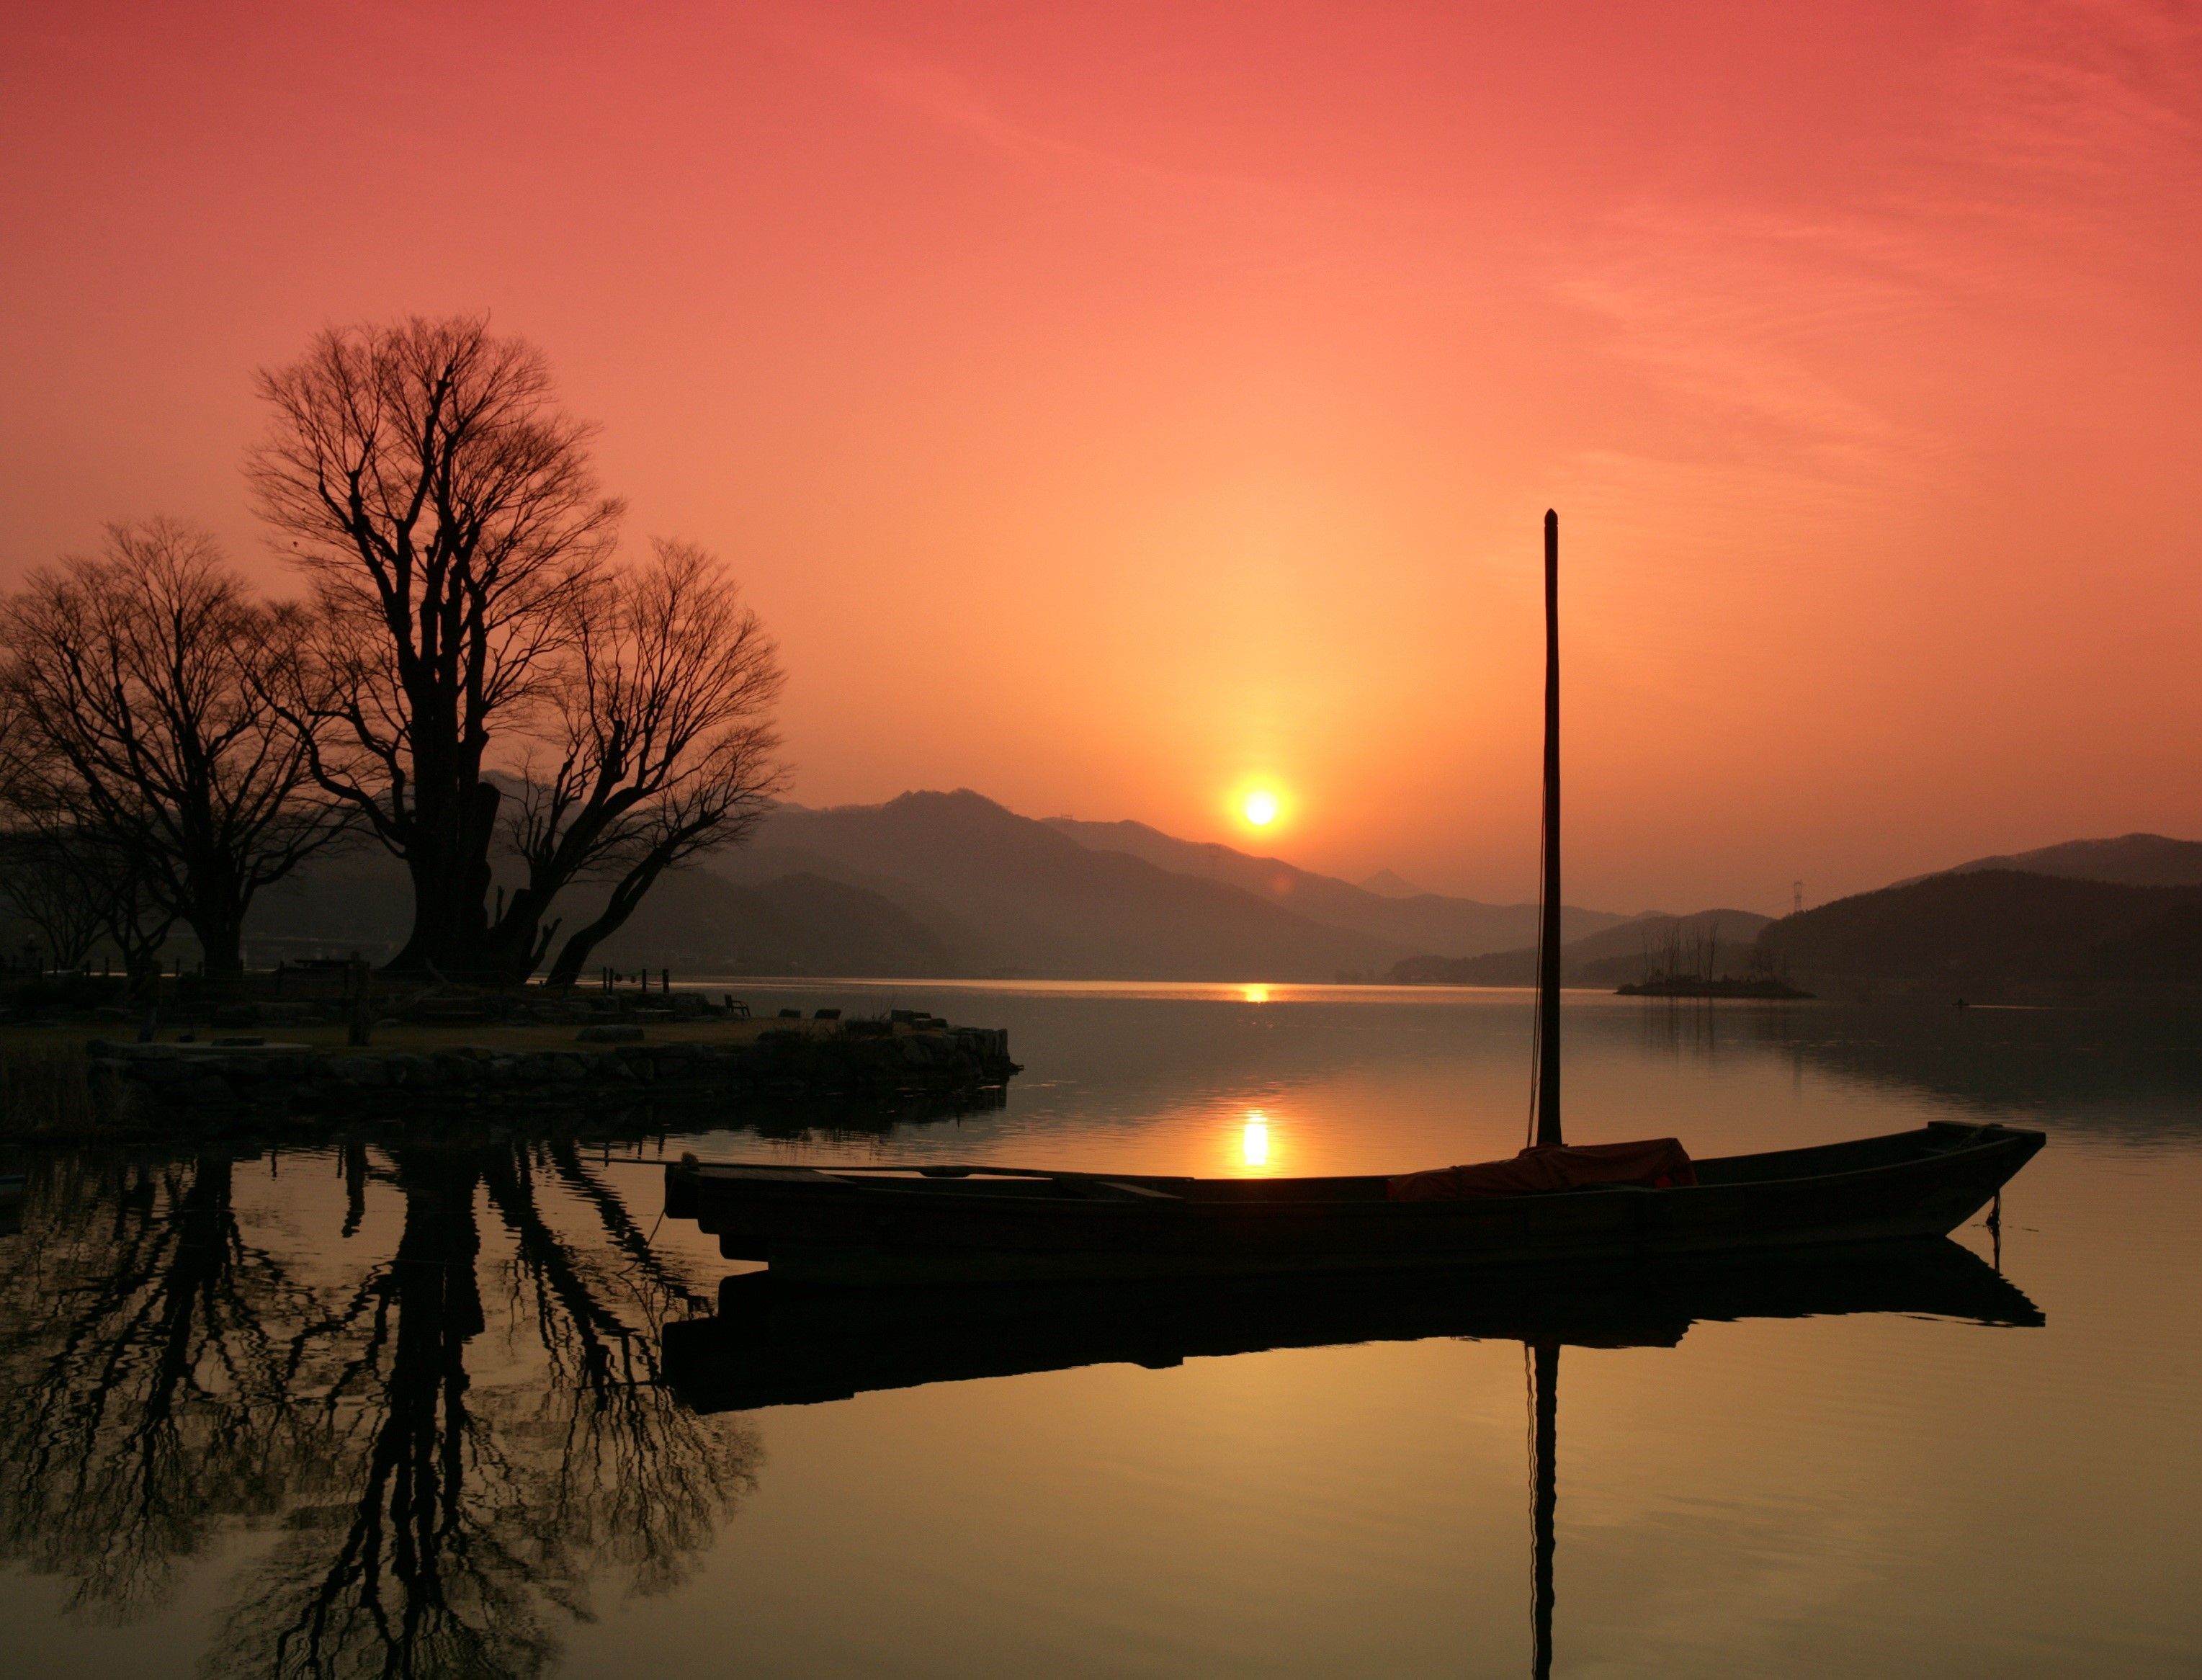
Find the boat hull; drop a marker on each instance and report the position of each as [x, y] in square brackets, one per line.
[827, 1230]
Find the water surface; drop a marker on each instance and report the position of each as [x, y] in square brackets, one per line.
[392, 1406]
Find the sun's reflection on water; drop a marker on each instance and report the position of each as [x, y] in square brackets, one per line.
[1254, 1140]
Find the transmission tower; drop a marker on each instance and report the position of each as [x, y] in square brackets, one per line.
[1796, 897]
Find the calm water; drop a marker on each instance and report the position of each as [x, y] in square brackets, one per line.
[389, 1408]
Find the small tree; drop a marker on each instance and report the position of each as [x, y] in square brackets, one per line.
[447, 513]
[140, 732]
[39, 885]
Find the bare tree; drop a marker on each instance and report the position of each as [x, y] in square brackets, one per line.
[666, 748]
[36, 880]
[131, 914]
[140, 728]
[446, 510]
[71, 883]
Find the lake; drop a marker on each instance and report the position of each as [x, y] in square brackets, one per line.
[392, 1406]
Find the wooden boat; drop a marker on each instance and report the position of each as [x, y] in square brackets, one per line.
[773, 1342]
[971, 1223]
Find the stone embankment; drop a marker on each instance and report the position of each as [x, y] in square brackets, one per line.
[857, 1060]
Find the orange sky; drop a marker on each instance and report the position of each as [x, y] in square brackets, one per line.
[1110, 403]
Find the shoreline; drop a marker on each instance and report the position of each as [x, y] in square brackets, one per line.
[864, 1073]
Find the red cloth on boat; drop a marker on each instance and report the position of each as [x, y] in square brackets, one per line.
[1659, 1162]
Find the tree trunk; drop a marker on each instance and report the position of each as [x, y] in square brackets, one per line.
[220, 934]
[447, 855]
[513, 945]
[626, 896]
[435, 913]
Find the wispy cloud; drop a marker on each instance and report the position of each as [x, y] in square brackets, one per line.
[2064, 145]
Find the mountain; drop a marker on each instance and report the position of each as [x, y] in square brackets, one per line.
[1017, 896]
[1422, 923]
[1977, 933]
[2130, 860]
[1389, 884]
[1719, 941]
[953, 884]
[359, 899]
[696, 921]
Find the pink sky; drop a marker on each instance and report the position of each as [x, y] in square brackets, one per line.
[1107, 404]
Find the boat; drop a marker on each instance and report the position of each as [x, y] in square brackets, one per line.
[972, 1223]
[1553, 1204]
[773, 1342]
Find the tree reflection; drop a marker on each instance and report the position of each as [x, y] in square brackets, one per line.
[144, 1392]
[460, 1437]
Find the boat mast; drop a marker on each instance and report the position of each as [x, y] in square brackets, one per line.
[1548, 930]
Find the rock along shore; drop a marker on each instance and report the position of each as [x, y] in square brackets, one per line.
[298, 1081]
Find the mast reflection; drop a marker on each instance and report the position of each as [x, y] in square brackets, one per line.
[1544, 1500]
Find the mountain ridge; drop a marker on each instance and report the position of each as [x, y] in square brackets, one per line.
[1982, 933]
[2137, 859]
[1723, 939]
[1431, 923]
[1033, 901]
[957, 885]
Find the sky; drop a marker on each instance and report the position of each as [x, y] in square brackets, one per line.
[1112, 407]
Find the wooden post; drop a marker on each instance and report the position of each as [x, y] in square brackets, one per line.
[361, 1030]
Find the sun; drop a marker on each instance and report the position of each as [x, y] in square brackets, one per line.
[1259, 807]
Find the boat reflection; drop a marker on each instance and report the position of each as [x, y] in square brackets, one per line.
[773, 1344]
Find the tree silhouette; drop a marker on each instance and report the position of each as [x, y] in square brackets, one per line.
[138, 715]
[446, 510]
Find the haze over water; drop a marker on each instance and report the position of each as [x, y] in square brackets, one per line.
[285, 1344]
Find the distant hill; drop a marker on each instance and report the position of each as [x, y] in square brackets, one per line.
[694, 920]
[699, 922]
[1722, 940]
[1421, 924]
[954, 884]
[1016, 896]
[359, 900]
[1976, 932]
[1389, 884]
[2131, 860]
